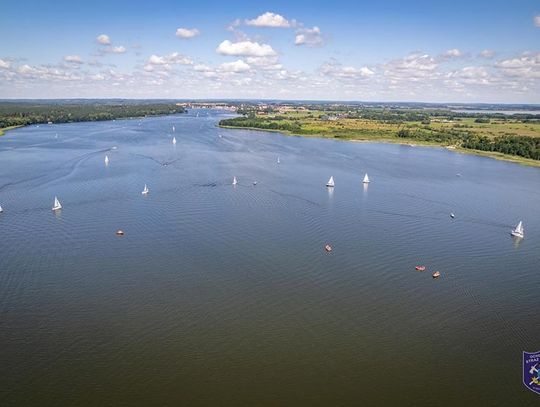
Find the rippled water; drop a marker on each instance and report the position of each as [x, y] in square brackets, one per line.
[222, 295]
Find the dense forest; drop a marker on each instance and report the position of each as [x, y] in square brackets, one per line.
[256, 123]
[20, 113]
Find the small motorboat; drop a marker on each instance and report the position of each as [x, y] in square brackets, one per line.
[328, 248]
[255, 182]
[120, 232]
[420, 268]
[437, 274]
[452, 215]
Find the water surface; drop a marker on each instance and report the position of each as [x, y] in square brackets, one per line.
[222, 295]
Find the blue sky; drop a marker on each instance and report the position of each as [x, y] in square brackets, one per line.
[467, 51]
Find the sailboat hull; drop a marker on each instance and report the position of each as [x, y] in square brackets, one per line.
[517, 234]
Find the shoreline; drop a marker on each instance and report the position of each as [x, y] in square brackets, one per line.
[4, 129]
[409, 142]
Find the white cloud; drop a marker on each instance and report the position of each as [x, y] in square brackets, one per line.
[487, 53]
[174, 58]
[245, 48]
[202, 68]
[103, 39]
[470, 75]
[75, 59]
[97, 77]
[311, 37]
[537, 20]
[233, 25]
[413, 67]
[269, 19]
[265, 63]
[187, 32]
[526, 66]
[118, 50]
[348, 72]
[453, 53]
[236, 66]
[4, 64]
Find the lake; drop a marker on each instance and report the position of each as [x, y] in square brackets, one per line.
[224, 295]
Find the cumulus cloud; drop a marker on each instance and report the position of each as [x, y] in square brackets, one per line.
[265, 63]
[537, 20]
[453, 53]
[487, 53]
[235, 67]
[269, 19]
[413, 67]
[525, 66]
[174, 58]
[103, 39]
[311, 37]
[187, 33]
[166, 61]
[348, 72]
[75, 59]
[118, 49]
[471, 75]
[4, 64]
[245, 48]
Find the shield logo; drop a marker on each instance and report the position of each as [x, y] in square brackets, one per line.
[531, 371]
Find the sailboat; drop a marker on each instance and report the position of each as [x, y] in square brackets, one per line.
[174, 140]
[278, 160]
[330, 182]
[106, 160]
[366, 179]
[234, 181]
[145, 190]
[518, 231]
[1, 210]
[173, 128]
[56, 205]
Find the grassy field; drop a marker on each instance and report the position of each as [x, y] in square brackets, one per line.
[461, 133]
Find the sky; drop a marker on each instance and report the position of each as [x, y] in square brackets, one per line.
[387, 50]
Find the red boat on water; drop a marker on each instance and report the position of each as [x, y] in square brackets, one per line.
[420, 268]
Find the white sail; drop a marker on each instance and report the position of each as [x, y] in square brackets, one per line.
[106, 160]
[173, 128]
[518, 231]
[1, 210]
[145, 190]
[174, 140]
[366, 179]
[278, 160]
[330, 182]
[56, 205]
[234, 181]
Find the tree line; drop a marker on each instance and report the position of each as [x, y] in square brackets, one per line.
[21, 114]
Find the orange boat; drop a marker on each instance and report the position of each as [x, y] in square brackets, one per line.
[420, 268]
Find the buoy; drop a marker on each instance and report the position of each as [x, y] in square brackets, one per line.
[437, 274]
[420, 268]
[120, 232]
[328, 248]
